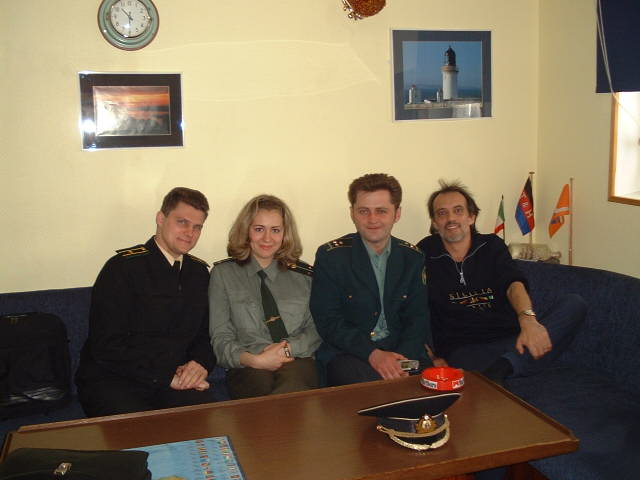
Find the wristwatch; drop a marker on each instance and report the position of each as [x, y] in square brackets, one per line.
[528, 312]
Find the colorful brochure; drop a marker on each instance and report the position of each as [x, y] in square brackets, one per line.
[202, 459]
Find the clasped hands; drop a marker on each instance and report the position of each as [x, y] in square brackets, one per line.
[189, 376]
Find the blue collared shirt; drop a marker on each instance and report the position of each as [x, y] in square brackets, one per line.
[379, 264]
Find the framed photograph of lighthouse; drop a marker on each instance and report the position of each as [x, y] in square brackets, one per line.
[441, 74]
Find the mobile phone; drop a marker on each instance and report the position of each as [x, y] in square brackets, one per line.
[408, 365]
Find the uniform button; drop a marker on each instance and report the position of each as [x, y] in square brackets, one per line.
[373, 334]
[349, 297]
[404, 297]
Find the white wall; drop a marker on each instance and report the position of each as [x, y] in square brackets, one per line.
[574, 126]
[287, 97]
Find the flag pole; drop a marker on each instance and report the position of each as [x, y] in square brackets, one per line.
[571, 221]
[533, 213]
[504, 229]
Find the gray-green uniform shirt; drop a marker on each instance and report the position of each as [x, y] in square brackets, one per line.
[236, 318]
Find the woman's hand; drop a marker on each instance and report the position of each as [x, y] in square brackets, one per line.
[272, 357]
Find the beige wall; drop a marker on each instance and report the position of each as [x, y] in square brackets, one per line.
[287, 97]
[574, 128]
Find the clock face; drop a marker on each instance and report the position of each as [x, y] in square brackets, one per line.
[130, 18]
[128, 24]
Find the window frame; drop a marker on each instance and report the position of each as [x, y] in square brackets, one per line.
[613, 158]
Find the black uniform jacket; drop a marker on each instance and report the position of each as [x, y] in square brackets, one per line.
[469, 299]
[345, 300]
[146, 319]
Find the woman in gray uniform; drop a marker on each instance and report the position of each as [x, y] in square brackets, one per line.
[259, 319]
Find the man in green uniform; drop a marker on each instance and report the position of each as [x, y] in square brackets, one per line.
[368, 297]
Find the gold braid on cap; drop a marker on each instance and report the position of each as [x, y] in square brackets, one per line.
[394, 434]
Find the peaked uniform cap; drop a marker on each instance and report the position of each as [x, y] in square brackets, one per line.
[415, 423]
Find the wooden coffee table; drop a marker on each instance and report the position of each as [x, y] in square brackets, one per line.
[318, 435]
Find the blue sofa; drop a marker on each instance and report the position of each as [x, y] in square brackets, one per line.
[593, 389]
[72, 306]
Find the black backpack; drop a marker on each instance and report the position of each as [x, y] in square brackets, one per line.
[35, 369]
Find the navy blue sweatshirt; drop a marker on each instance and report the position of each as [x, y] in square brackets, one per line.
[468, 299]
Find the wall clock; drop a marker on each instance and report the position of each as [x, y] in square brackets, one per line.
[128, 24]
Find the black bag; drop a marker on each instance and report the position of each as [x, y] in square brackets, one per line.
[47, 464]
[35, 370]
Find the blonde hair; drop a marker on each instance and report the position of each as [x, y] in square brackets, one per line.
[239, 248]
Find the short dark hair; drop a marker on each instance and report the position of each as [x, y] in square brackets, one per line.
[455, 186]
[372, 182]
[186, 195]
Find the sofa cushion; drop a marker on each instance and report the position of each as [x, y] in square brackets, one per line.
[609, 337]
[604, 417]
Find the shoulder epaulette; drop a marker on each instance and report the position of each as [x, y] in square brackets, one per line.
[402, 243]
[338, 243]
[301, 267]
[224, 260]
[131, 252]
[199, 260]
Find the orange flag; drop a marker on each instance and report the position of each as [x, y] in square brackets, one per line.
[562, 208]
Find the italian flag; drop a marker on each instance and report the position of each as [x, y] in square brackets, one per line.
[500, 218]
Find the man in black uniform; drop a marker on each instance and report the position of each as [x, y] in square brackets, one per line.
[368, 297]
[482, 314]
[148, 345]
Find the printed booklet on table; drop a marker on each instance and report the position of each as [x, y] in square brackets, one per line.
[202, 459]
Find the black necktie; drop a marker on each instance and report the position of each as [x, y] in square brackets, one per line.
[271, 315]
[176, 271]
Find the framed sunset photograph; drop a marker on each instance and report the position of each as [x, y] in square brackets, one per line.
[129, 110]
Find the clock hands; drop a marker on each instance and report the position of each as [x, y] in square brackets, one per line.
[130, 19]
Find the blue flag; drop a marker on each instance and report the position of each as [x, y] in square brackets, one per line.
[524, 210]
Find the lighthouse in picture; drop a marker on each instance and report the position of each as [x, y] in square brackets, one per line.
[449, 75]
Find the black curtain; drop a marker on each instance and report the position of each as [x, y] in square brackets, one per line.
[621, 29]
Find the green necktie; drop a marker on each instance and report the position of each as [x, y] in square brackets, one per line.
[271, 315]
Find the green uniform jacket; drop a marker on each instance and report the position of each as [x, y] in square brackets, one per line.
[345, 301]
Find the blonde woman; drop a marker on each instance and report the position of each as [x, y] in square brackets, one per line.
[259, 319]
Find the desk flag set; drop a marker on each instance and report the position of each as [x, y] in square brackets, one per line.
[416, 423]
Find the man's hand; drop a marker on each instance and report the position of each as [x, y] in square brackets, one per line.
[189, 376]
[272, 357]
[386, 364]
[534, 337]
